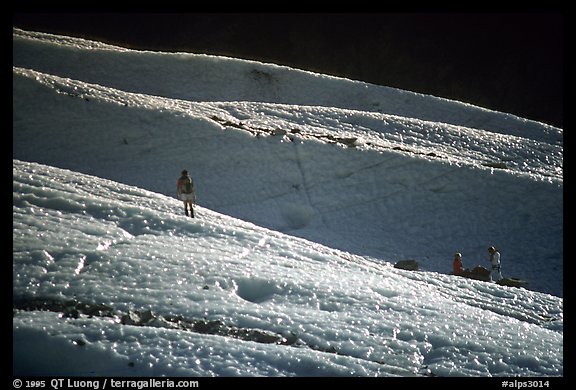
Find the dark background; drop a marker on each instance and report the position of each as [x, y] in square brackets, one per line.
[510, 62]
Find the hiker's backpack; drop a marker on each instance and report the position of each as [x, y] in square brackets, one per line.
[187, 185]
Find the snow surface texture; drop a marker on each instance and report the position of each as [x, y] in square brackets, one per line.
[375, 173]
[97, 241]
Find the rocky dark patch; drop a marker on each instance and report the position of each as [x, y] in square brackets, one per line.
[74, 309]
[410, 265]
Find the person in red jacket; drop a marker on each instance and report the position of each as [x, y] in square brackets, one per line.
[458, 269]
[185, 192]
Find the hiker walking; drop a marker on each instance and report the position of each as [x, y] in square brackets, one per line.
[185, 192]
[495, 261]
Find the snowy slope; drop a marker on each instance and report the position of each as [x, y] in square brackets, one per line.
[309, 188]
[316, 311]
[405, 188]
[408, 188]
[198, 77]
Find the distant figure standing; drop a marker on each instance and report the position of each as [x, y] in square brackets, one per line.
[185, 192]
[495, 261]
[458, 269]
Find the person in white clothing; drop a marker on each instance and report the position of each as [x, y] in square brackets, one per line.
[495, 261]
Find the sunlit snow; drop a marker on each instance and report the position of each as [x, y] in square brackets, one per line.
[309, 187]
